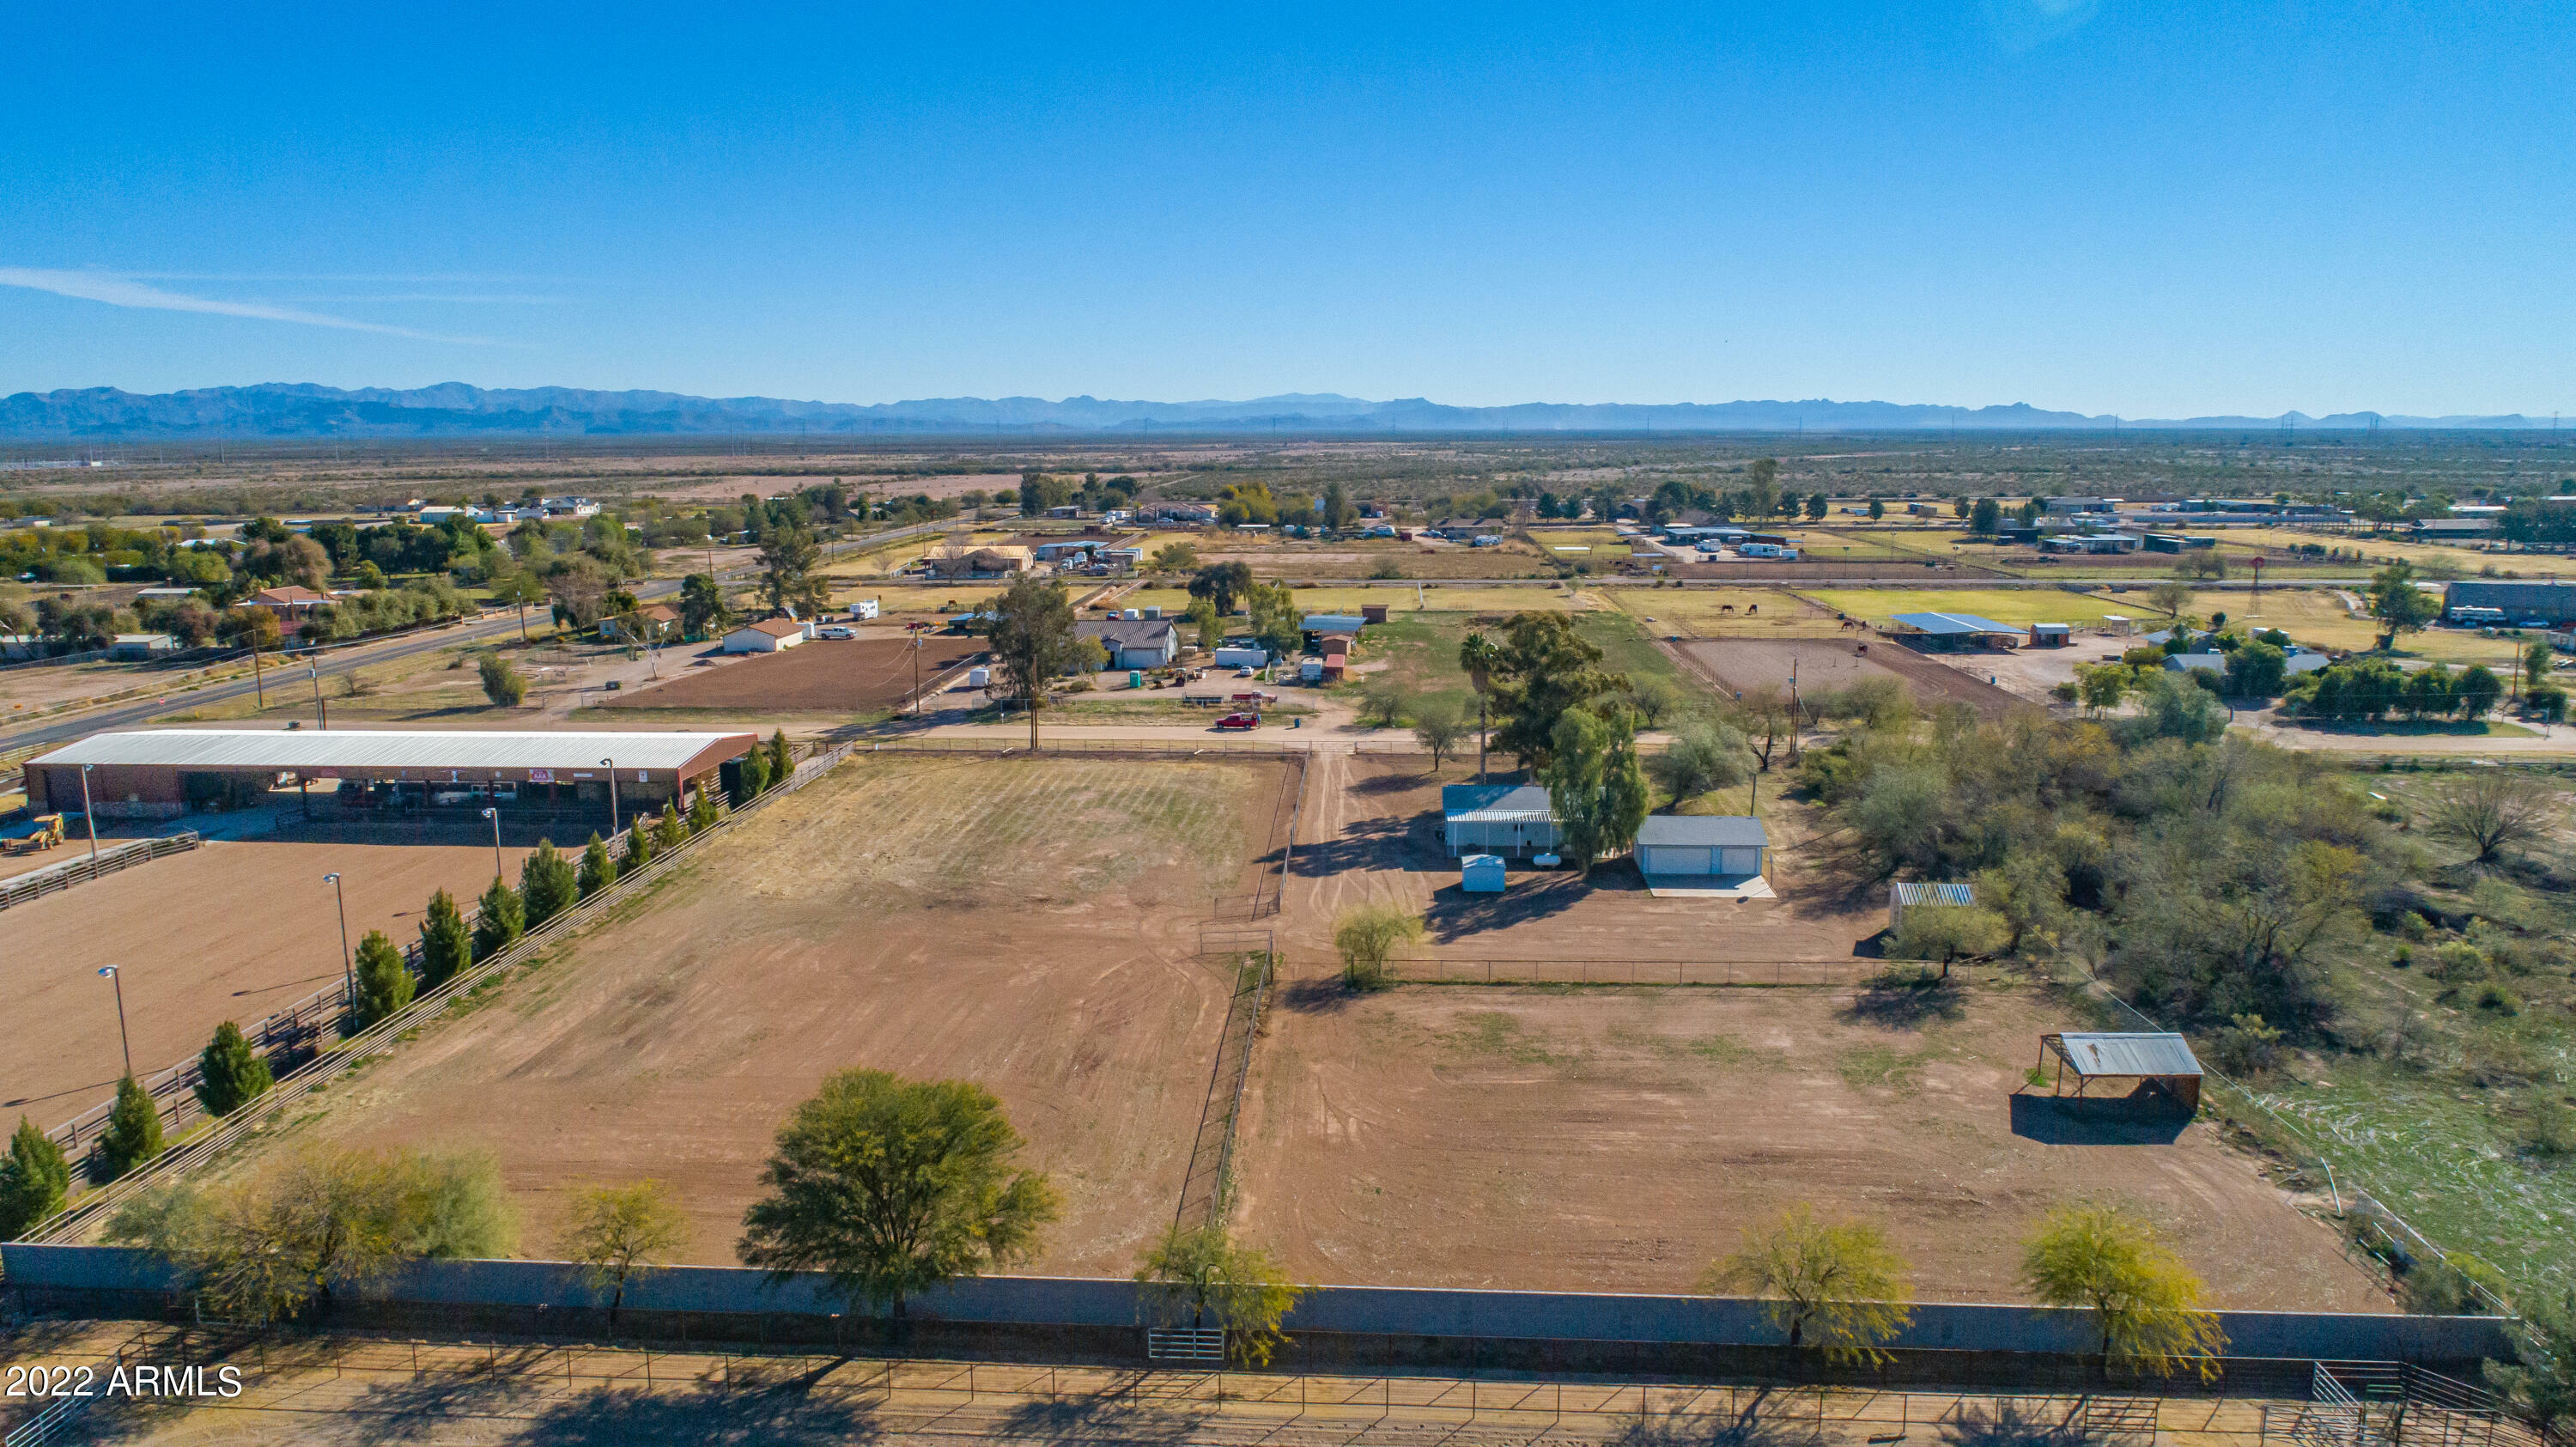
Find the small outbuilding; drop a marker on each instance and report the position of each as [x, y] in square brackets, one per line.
[1908, 894]
[2159, 1062]
[2051, 635]
[1506, 819]
[1954, 630]
[769, 635]
[1481, 874]
[1134, 642]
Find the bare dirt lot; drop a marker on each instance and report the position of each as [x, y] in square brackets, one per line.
[819, 676]
[1027, 924]
[1734, 665]
[1601, 1139]
[235, 930]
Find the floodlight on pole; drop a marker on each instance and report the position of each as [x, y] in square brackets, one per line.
[611, 766]
[121, 1038]
[89, 815]
[348, 965]
[495, 816]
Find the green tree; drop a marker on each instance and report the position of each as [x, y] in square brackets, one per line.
[1595, 784]
[2537, 660]
[2171, 598]
[1205, 625]
[1478, 657]
[1274, 616]
[2475, 695]
[500, 919]
[702, 607]
[751, 777]
[1705, 755]
[1175, 558]
[1817, 506]
[892, 1186]
[548, 884]
[446, 947]
[2489, 811]
[319, 1220]
[1382, 700]
[2145, 1301]
[519, 589]
[598, 869]
[1986, 517]
[1195, 1273]
[505, 686]
[1338, 510]
[1950, 932]
[2399, 605]
[788, 580]
[615, 1232]
[702, 811]
[1366, 938]
[1030, 628]
[133, 1133]
[2256, 670]
[1438, 726]
[1834, 1285]
[230, 1074]
[1877, 510]
[1543, 668]
[782, 759]
[670, 833]
[35, 1180]
[639, 843]
[1222, 584]
[384, 986]
[2541, 1378]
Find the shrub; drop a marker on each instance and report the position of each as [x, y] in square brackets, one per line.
[2457, 963]
[2246, 1046]
[505, 686]
[2500, 1000]
[1367, 936]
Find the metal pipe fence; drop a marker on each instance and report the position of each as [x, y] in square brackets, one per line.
[1456, 970]
[55, 878]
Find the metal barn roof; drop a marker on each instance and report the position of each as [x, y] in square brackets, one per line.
[2137, 1054]
[1702, 831]
[1910, 892]
[1496, 803]
[1953, 625]
[385, 749]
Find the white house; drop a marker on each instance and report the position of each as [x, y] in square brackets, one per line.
[1134, 642]
[1718, 844]
[766, 636]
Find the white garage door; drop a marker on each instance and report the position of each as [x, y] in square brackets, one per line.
[1740, 861]
[1673, 859]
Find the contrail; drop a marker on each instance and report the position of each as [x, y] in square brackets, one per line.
[116, 290]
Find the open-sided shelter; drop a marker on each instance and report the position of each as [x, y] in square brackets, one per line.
[2158, 1061]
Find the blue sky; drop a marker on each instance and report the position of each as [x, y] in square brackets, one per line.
[2148, 209]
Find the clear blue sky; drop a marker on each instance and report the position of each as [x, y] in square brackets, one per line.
[2146, 208]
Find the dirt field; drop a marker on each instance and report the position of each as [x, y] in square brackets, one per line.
[230, 931]
[1618, 1140]
[1741, 664]
[819, 676]
[1028, 924]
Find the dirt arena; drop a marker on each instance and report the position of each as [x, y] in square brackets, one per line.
[819, 676]
[234, 930]
[1734, 665]
[1618, 1140]
[1030, 925]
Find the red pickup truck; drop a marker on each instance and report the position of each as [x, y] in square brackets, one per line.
[1239, 721]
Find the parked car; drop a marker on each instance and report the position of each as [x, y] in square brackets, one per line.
[836, 632]
[1239, 721]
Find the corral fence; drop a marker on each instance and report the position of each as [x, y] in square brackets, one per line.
[2372, 1228]
[290, 1373]
[1455, 970]
[998, 744]
[1209, 1182]
[55, 878]
[176, 1092]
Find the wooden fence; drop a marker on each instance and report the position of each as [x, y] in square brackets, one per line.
[55, 878]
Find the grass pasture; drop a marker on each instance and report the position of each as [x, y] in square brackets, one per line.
[2020, 607]
[1722, 612]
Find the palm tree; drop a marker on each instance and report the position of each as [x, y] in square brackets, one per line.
[1478, 655]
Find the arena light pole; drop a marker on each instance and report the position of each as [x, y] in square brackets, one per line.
[348, 967]
[495, 816]
[121, 1038]
[89, 816]
[611, 766]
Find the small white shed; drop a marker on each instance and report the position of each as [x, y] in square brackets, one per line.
[1481, 874]
[769, 635]
[1718, 844]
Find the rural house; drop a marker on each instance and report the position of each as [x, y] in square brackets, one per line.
[766, 636]
[1134, 642]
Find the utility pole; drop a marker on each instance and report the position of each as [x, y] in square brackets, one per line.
[321, 710]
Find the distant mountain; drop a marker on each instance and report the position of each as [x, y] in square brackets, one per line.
[454, 409]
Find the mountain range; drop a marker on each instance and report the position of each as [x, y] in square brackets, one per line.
[456, 409]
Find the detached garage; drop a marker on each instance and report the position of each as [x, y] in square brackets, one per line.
[1702, 844]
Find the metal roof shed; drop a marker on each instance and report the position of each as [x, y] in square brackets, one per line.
[1512, 819]
[1908, 894]
[2159, 1061]
[1951, 630]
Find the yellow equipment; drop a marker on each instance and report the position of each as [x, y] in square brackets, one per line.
[49, 832]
